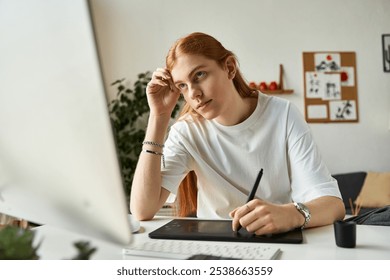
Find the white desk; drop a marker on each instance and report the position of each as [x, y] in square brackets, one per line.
[373, 242]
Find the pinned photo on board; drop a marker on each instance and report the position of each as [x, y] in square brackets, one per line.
[342, 110]
[327, 62]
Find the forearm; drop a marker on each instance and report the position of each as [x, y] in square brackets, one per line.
[325, 210]
[147, 196]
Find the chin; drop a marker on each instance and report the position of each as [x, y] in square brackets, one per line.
[208, 116]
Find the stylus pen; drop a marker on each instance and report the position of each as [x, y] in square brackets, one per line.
[254, 190]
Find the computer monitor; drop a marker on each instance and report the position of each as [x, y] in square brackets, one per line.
[58, 160]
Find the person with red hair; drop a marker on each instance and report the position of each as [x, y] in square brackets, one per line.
[209, 158]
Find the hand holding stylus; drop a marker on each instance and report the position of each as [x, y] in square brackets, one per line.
[253, 192]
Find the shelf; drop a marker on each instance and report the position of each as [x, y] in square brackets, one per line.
[281, 89]
[278, 91]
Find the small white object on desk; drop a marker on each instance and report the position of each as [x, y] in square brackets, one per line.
[134, 224]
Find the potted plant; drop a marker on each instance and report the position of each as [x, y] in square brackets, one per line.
[18, 244]
[129, 112]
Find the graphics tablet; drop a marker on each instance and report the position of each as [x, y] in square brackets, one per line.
[219, 230]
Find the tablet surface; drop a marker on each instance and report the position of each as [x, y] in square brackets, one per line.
[218, 230]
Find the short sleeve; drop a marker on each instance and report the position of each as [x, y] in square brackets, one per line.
[177, 161]
[310, 178]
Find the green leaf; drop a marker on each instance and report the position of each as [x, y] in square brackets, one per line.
[85, 251]
[117, 82]
[17, 244]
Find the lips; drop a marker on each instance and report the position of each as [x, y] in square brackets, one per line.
[203, 104]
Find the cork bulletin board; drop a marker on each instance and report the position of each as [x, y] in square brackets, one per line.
[330, 86]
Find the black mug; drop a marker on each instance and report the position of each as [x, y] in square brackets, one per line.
[345, 234]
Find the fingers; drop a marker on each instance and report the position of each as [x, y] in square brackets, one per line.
[231, 214]
[240, 216]
[160, 78]
[256, 216]
[161, 74]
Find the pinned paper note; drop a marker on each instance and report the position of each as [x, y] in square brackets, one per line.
[327, 62]
[332, 87]
[314, 85]
[342, 110]
[317, 111]
[347, 76]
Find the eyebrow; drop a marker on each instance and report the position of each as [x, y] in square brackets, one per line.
[192, 72]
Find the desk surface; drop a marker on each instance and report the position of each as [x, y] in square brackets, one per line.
[372, 242]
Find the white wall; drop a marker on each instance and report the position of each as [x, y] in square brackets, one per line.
[134, 36]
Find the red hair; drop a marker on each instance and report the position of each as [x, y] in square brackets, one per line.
[205, 45]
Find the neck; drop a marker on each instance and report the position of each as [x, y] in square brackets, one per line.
[243, 108]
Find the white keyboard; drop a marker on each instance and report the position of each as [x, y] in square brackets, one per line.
[183, 249]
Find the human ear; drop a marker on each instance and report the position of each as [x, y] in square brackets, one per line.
[231, 68]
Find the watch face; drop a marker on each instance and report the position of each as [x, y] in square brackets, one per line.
[304, 211]
[303, 207]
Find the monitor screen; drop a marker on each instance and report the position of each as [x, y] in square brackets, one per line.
[58, 161]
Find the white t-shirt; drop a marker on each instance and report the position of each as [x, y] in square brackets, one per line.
[227, 159]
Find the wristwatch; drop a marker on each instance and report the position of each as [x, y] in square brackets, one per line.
[304, 211]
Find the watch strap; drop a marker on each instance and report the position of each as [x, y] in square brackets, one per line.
[304, 211]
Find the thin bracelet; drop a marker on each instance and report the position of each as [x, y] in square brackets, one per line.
[153, 144]
[157, 154]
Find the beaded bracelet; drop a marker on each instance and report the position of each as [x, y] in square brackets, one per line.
[153, 144]
[157, 154]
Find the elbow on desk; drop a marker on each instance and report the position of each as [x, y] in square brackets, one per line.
[141, 214]
[143, 217]
[140, 211]
[342, 211]
[338, 211]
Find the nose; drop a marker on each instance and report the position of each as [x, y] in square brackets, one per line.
[194, 92]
